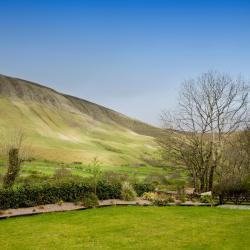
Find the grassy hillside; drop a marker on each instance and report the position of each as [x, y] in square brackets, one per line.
[65, 128]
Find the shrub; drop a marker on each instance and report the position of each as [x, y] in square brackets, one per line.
[206, 199]
[128, 193]
[234, 191]
[141, 188]
[90, 200]
[160, 202]
[182, 199]
[106, 190]
[171, 199]
[96, 172]
[150, 196]
[60, 202]
[48, 193]
[158, 199]
[14, 167]
[77, 163]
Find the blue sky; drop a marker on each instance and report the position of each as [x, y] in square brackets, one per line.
[129, 55]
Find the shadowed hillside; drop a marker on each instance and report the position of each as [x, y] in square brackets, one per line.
[63, 127]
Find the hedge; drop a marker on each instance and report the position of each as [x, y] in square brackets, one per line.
[233, 192]
[68, 191]
[27, 196]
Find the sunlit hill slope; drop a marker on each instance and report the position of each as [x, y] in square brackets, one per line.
[65, 128]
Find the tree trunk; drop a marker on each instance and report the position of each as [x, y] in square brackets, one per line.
[202, 184]
[211, 178]
[195, 182]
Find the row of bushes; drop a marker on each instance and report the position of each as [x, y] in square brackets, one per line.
[233, 192]
[70, 191]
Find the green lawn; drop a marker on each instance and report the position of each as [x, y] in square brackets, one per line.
[130, 228]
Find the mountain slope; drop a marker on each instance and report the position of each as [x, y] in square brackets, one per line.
[65, 128]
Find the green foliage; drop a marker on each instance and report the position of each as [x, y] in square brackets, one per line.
[60, 202]
[182, 199]
[162, 199]
[206, 199]
[234, 191]
[14, 166]
[106, 190]
[128, 193]
[48, 193]
[160, 202]
[158, 199]
[150, 196]
[96, 172]
[141, 188]
[171, 199]
[90, 200]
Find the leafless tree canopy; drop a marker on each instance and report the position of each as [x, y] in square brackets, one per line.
[211, 108]
[213, 102]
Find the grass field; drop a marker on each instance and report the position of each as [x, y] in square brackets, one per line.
[130, 228]
[60, 135]
[48, 168]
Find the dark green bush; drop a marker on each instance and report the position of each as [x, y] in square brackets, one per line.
[236, 192]
[106, 190]
[141, 188]
[67, 190]
[47, 193]
[160, 202]
[90, 200]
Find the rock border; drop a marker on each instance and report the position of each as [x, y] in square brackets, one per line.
[69, 206]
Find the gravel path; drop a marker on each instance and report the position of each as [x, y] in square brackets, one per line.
[241, 207]
[66, 206]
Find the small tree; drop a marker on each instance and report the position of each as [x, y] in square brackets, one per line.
[96, 172]
[16, 152]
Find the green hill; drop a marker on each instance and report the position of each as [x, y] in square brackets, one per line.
[65, 128]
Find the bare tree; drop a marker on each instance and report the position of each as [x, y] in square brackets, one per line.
[16, 151]
[95, 170]
[210, 109]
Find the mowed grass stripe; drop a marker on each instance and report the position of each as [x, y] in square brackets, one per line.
[130, 228]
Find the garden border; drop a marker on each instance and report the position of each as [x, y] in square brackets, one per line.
[105, 203]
